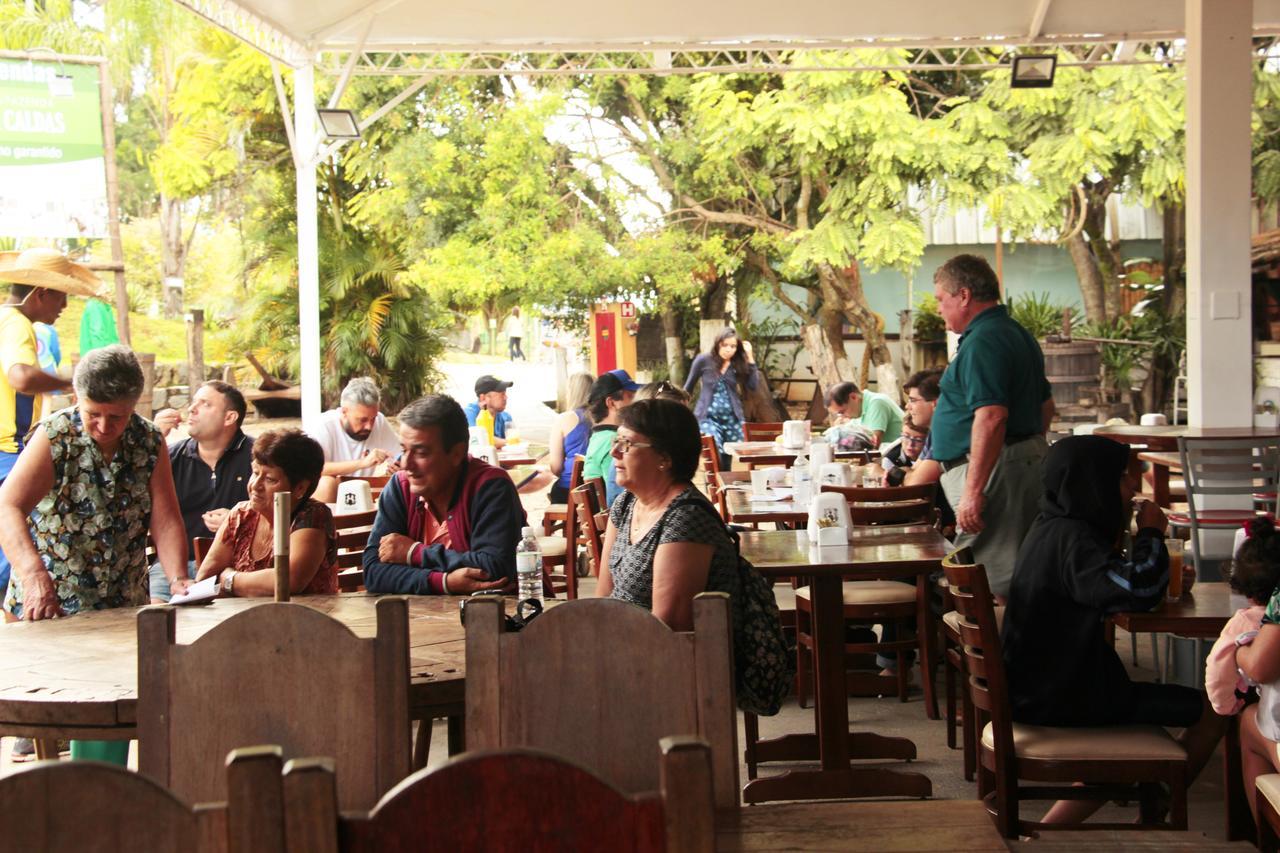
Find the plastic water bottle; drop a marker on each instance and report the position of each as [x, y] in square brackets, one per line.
[529, 565]
[801, 482]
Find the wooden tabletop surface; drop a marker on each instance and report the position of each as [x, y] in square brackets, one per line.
[932, 826]
[80, 672]
[1203, 612]
[1166, 437]
[891, 551]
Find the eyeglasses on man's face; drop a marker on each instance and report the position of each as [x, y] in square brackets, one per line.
[622, 445]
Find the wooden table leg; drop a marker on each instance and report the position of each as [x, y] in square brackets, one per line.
[1160, 485]
[457, 735]
[836, 779]
[927, 632]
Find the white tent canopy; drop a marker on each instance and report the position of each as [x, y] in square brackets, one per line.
[295, 31]
[345, 37]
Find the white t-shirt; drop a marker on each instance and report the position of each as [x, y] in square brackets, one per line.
[340, 447]
[514, 327]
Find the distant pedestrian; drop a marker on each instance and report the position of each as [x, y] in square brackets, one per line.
[514, 330]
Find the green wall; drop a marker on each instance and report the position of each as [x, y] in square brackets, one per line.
[1028, 268]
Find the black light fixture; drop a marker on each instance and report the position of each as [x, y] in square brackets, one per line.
[1033, 71]
[339, 124]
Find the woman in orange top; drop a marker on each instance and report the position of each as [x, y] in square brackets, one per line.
[242, 554]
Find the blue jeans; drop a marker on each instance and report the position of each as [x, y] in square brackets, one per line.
[159, 584]
[7, 461]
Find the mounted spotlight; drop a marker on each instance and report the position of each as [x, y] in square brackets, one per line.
[1033, 72]
[339, 124]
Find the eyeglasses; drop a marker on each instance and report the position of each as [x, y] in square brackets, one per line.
[911, 439]
[622, 445]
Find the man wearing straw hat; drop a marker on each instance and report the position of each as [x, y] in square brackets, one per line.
[39, 282]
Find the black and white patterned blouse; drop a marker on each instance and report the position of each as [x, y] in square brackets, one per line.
[631, 563]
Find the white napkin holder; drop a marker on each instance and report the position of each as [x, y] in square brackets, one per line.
[1266, 407]
[828, 519]
[477, 436]
[819, 453]
[835, 474]
[354, 496]
[488, 453]
[795, 434]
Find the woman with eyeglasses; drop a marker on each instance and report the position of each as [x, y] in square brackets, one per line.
[664, 543]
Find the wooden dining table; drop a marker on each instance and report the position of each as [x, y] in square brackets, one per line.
[755, 454]
[906, 552]
[1166, 437]
[936, 826]
[76, 677]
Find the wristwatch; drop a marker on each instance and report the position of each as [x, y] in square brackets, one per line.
[228, 581]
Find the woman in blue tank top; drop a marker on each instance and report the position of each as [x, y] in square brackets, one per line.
[569, 435]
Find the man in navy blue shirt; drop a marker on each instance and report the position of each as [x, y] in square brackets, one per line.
[210, 469]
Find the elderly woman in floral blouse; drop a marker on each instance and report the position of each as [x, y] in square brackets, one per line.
[89, 485]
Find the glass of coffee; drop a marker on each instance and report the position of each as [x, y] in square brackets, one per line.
[1175, 547]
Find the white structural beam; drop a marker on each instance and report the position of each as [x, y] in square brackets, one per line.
[305, 137]
[1037, 19]
[1219, 102]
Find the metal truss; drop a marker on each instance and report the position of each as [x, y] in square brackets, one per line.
[778, 58]
[250, 28]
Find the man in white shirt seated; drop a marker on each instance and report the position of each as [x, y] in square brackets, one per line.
[356, 437]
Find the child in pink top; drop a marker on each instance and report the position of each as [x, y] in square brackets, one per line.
[1256, 579]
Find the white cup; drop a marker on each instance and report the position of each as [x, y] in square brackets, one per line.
[354, 496]
[1153, 419]
[819, 453]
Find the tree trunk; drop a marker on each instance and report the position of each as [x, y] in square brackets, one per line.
[173, 256]
[843, 288]
[1174, 246]
[1110, 267]
[1092, 292]
[822, 356]
[715, 294]
[672, 336]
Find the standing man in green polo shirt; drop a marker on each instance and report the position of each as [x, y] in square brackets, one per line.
[993, 410]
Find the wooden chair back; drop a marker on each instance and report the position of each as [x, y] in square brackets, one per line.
[761, 430]
[710, 464]
[980, 638]
[597, 483]
[512, 799]
[268, 675]
[353, 537]
[530, 689]
[591, 517]
[889, 505]
[56, 806]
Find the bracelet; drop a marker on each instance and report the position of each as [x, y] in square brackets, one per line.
[444, 582]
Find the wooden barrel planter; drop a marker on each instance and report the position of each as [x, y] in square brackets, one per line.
[1072, 369]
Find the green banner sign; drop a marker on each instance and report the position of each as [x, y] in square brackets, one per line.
[52, 169]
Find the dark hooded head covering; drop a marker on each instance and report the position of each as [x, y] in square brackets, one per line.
[1082, 482]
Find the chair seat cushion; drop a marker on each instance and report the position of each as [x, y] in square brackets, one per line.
[551, 546]
[871, 592]
[1214, 517]
[1269, 787]
[1116, 743]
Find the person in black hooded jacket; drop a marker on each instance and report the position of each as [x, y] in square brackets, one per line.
[1070, 574]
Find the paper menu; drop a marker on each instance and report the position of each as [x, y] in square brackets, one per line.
[199, 592]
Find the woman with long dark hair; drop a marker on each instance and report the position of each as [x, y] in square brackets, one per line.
[726, 373]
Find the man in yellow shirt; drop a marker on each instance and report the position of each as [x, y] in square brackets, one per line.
[39, 281]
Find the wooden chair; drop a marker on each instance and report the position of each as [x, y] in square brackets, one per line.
[592, 520]
[761, 431]
[1268, 800]
[56, 806]
[710, 464]
[517, 799]
[955, 673]
[1116, 762]
[530, 689]
[269, 675]
[555, 514]
[872, 602]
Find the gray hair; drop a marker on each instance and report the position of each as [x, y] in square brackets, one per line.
[108, 375]
[361, 391]
[971, 272]
[439, 411]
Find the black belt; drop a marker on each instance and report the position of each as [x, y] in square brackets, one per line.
[1009, 441]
